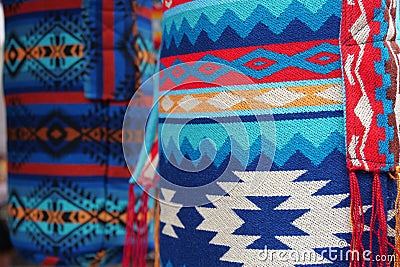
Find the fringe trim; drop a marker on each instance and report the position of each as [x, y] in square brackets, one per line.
[397, 229]
[136, 238]
[157, 261]
[378, 224]
[396, 176]
[357, 222]
[378, 215]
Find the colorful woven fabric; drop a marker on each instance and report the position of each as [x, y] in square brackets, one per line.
[370, 56]
[371, 68]
[232, 72]
[66, 65]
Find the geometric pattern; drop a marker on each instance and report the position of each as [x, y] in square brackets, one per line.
[43, 206]
[169, 214]
[300, 197]
[371, 96]
[68, 179]
[48, 55]
[56, 133]
[370, 58]
[282, 97]
[263, 63]
[59, 217]
[215, 18]
[287, 192]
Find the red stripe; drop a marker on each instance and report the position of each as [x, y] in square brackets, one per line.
[43, 5]
[49, 97]
[154, 150]
[168, 4]
[118, 172]
[232, 78]
[71, 170]
[232, 54]
[59, 169]
[108, 46]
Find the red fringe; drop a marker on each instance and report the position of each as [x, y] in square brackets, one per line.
[136, 242]
[378, 213]
[130, 232]
[357, 220]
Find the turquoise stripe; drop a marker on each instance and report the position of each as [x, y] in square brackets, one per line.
[285, 131]
[214, 9]
[316, 131]
[249, 87]
[231, 113]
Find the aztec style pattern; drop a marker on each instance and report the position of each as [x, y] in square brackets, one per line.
[370, 57]
[275, 200]
[369, 44]
[68, 181]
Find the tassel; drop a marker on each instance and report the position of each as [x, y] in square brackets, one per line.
[357, 221]
[130, 231]
[378, 213]
[135, 247]
[157, 232]
[143, 231]
[396, 176]
[397, 228]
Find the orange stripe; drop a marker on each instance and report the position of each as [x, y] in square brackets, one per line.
[59, 169]
[21, 52]
[87, 134]
[43, 5]
[108, 46]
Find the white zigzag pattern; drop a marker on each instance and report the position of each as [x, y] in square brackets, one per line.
[169, 213]
[320, 223]
[360, 32]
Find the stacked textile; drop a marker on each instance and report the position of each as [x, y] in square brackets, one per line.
[70, 70]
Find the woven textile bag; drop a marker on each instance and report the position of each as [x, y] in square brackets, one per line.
[285, 111]
[70, 70]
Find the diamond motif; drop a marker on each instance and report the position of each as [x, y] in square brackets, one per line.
[58, 64]
[323, 58]
[167, 103]
[279, 97]
[178, 72]
[188, 103]
[364, 111]
[260, 63]
[209, 68]
[15, 55]
[225, 100]
[52, 207]
[333, 93]
[58, 134]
